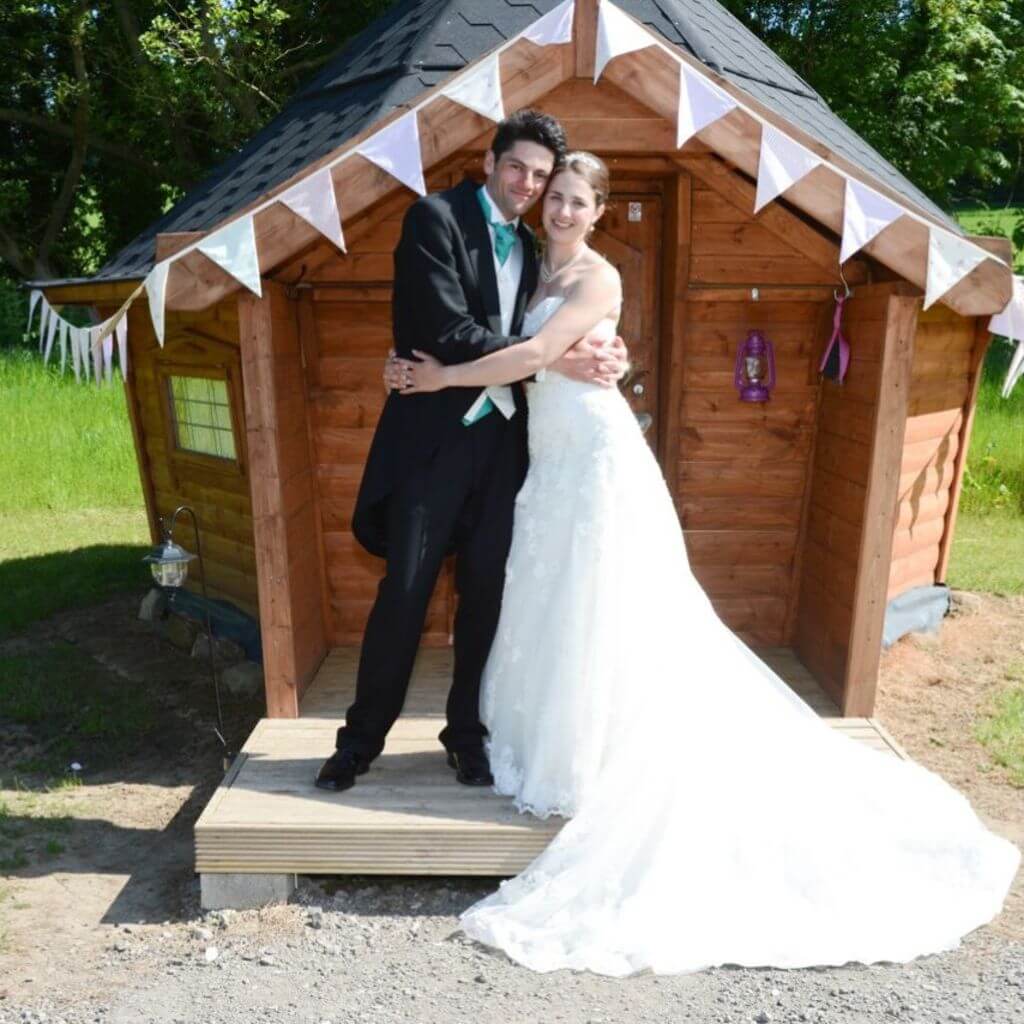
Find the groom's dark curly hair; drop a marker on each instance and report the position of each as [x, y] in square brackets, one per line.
[530, 126]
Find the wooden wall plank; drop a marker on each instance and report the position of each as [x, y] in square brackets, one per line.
[981, 338]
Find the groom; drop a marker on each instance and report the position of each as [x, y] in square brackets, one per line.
[444, 468]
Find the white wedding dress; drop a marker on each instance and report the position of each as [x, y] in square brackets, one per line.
[715, 818]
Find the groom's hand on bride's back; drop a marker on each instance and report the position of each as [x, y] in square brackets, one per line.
[595, 361]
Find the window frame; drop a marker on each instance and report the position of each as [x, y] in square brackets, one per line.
[182, 460]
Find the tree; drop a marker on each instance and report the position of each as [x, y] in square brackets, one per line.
[111, 110]
[937, 86]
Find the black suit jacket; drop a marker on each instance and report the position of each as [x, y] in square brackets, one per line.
[445, 302]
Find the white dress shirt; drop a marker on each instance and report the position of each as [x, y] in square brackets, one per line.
[508, 276]
[511, 272]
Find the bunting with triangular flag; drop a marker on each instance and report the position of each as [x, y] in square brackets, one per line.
[783, 163]
[122, 345]
[480, 89]
[35, 295]
[313, 199]
[44, 318]
[1010, 324]
[396, 149]
[95, 353]
[108, 358]
[866, 214]
[617, 33]
[553, 28]
[63, 343]
[156, 290]
[950, 260]
[51, 331]
[233, 248]
[76, 352]
[701, 103]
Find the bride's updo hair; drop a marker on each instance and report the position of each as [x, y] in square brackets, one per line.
[592, 168]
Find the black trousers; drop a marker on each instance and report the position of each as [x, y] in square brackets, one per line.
[462, 500]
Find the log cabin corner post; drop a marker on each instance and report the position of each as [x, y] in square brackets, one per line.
[982, 340]
[284, 509]
[881, 501]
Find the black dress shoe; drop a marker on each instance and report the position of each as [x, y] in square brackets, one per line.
[339, 771]
[471, 767]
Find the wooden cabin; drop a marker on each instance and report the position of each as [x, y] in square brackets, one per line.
[803, 516]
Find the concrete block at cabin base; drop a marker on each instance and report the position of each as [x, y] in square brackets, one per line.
[153, 605]
[963, 602]
[226, 651]
[237, 891]
[243, 680]
[181, 632]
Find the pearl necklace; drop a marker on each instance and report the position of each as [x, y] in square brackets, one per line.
[547, 275]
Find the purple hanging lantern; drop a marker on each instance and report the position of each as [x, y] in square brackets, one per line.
[754, 376]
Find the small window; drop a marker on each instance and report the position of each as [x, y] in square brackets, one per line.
[201, 410]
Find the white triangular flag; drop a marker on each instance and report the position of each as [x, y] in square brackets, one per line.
[1016, 370]
[553, 28]
[51, 331]
[396, 149]
[156, 289]
[617, 33]
[783, 163]
[44, 317]
[1010, 324]
[75, 337]
[313, 200]
[480, 90]
[950, 260]
[108, 358]
[701, 103]
[95, 353]
[33, 299]
[866, 214]
[63, 342]
[122, 346]
[233, 248]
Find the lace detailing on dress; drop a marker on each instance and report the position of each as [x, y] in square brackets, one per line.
[715, 818]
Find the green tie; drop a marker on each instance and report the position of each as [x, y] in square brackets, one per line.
[504, 234]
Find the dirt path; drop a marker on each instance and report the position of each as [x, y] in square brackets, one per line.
[932, 692]
[94, 931]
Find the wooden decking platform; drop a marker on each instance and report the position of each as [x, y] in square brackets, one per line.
[407, 816]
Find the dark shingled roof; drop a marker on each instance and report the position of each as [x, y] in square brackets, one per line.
[420, 42]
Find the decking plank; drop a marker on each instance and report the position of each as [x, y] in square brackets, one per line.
[407, 816]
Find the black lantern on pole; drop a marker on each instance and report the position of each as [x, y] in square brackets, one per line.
[169, 564]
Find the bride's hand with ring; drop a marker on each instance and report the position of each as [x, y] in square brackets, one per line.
[424, 375]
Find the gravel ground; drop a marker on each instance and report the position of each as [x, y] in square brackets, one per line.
[111, 931]
[385, 951]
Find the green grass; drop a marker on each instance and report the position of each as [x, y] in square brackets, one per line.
[988, 548]
[1001, 731]
[34, 826]
[76, 709]
[994, 479]
[68, 445]
[72, 522]
[50, 561]
[1003, 221]
[988, 554]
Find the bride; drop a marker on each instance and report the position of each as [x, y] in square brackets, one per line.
[715, 818]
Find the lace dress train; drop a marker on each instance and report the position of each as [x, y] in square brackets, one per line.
[715, 818]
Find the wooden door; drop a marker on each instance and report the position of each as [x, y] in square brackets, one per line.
[629, 236]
